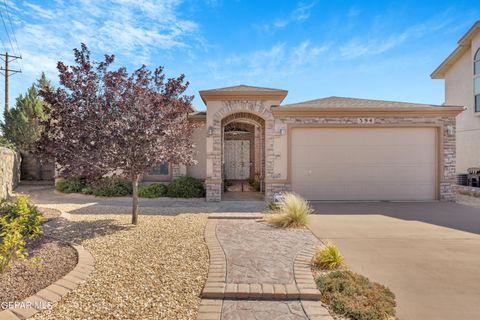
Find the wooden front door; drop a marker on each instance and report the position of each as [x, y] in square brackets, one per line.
[237, 159]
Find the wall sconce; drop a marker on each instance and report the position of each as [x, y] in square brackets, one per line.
[210, 131]
[282, 131]
[450, 130]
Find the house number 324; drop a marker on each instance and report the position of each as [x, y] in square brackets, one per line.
[365, 120]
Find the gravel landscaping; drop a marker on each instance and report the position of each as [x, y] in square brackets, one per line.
[26, 278]
[155, 270]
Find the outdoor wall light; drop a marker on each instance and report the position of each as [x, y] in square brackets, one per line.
[282, 131]
[210, 131]
[450, 130]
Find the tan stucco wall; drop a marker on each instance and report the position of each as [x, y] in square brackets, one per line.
[199, 139]
[459, 91]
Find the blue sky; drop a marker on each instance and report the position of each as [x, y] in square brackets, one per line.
[366, 49]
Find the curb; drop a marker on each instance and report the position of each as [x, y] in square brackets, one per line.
[57, 290]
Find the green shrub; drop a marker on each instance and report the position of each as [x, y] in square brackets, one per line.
[88, 190]
[356, 297]
[19, 221]
[153, 190]
[70, 185]
[328, 257]
[293, 212]
[111, 187]
[186, 187]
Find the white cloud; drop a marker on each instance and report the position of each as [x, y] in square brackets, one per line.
[376, 43]
[132, 30]
[301, 13]
[278, 61]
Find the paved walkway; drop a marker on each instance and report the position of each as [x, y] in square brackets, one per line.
[259, 272]
[427, 253]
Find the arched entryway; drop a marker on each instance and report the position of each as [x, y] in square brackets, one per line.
[243, 155]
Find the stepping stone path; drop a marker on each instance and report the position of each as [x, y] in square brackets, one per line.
[259, 272]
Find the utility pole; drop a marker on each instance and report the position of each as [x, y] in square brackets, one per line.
[8, 72]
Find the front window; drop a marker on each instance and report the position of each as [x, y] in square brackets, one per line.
[476, 80]
[161, 170]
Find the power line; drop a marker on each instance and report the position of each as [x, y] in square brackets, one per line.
[8, 72]
[6, 30]
[20, 61]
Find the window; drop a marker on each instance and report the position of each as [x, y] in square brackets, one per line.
[161, 170]
[476, 80]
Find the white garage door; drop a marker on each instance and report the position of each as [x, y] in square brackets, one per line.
[364, 163]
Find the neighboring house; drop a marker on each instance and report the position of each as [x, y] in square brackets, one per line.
[327, 149]
[461, 71]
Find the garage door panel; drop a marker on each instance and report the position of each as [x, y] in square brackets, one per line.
[364, 163]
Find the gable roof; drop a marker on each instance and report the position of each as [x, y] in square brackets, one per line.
[243, 91]
[463, 45]
[344, 102]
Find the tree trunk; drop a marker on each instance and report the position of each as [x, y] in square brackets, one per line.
[135, 199]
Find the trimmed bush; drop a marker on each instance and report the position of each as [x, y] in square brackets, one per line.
[356, 297]
[111, 187]
[293, 212]
[153, 190]
[328, 257]
[19, 221]
[186, 187]
[70, 185]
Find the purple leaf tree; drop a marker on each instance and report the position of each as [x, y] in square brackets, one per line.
[109, 121]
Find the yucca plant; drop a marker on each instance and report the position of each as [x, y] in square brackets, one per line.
[293, 212]
[328, 257]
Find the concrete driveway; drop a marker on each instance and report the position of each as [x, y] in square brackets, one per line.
[427, 253]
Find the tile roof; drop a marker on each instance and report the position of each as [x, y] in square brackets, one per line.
[242, 88]
[343, 102]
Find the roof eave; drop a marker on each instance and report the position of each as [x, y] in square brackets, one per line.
[445, 111]
[463, 44]
[277, 95]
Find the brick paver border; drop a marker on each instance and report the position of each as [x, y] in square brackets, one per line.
[54, 292]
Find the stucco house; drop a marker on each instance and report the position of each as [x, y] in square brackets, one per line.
[327, 149]
[461, 72]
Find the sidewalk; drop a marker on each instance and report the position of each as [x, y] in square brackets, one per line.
[259, 272]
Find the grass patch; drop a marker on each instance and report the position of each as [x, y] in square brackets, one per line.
[293, 212]
[328, 257]
[355, 296]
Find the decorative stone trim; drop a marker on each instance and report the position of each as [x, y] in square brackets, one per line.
[233, 215]
[54, 292]
[302, 271]
[315, 310]
[210, 309]
[217, 270]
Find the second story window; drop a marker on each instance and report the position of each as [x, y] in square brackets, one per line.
[476, 80]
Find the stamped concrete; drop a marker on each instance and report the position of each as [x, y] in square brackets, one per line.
[271, 310]
[427, 253]
[258, 253]
[259, 272]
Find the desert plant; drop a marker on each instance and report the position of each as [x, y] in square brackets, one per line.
[328, 257]
[356, 297]
[273, 206]
[19, 221]
[70, 185]
[293, 212]
[186, 187]
[153, 190]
